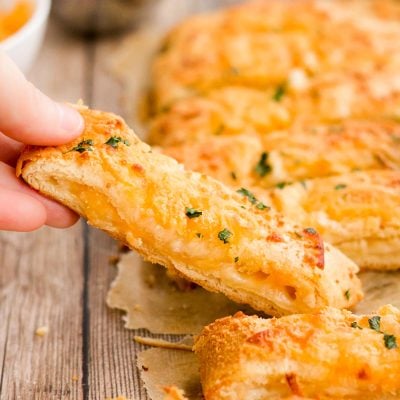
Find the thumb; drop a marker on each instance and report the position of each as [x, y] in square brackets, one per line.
[30, 117]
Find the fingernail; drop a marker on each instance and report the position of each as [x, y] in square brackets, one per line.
[71, 121]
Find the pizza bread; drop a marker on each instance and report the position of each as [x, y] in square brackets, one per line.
[190, 223]
[331, 354]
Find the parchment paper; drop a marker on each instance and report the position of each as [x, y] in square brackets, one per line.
[153, 301]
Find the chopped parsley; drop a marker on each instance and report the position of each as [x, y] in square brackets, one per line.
[396, 138]
[192, 213]
[280, 92]
[390, 341]
[233, 175]
[199, 235]
[247, 194]
[219, 130]
[236, 259]
[310, 231]
[281, 185]
[164, 47]
[347, 294]
[233, 70]
[375, 323]
[253, 200]
[340, 186]
[224, 235]
[262, 206]
[304, 184]
[85, 145]
[113, 141]
[263, 168]
[355, 325]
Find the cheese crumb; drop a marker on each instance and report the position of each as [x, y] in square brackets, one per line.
[42, 331]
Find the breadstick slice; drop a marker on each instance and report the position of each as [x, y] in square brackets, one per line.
[331, 355]
[192, 224]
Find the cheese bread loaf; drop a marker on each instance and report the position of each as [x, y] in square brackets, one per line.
[190, 223]
[332, 354]
[358, 212]
[259, 66]
[300, 152]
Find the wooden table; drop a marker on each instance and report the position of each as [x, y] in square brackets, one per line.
[59, 278]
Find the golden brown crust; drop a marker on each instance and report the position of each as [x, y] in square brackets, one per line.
[322, 355]
[174, 393]
[140, 197]
[259, 66]
[357, 212]
[301, 152]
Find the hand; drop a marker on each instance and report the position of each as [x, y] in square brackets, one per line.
[27, 116]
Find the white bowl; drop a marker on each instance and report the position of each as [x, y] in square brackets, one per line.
[24, 44]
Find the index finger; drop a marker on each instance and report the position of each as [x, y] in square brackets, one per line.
[30, 117]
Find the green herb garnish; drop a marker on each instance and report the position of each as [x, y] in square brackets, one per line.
[310, 231]
[355, 325]
[262, 206]
[219, 130]
[85, 145]
[224, 235]
[340, 186]
[233, 175]
[236, 259]
[375, 323]
[395, 138]
[281, 185]
[280, 92]
[347, 294]
[113, 141]
[192, 213]
[253, 200]
[263, 168]
[199, 235]
[247, 194]
[233, 70]
[390, 341]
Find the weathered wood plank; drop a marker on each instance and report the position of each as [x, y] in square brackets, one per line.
[41, 273]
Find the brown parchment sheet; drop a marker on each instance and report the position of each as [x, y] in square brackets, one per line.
[153, 301]
[161, 367]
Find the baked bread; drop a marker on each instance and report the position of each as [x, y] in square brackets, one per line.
[174, 393]
[332, 354]
[301, 152]
[190, 223]
[261, 65]
[358, 212]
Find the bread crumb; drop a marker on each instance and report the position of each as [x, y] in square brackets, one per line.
[173, 393]
[113, 260]
[123, 248]
[42, 331]
[75, 378]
